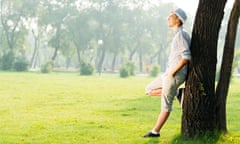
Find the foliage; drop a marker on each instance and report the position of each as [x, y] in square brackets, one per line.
[7, 60]
[47, 67]
[131, 68]
[155, 70]
[124, 72]
[217, 74]
[21, 64]
[124, 29]
[14, 17]
[127, 69]
[236, 62]
[70, 29]
[86, 68]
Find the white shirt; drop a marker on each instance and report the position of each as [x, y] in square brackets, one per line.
[179, 50]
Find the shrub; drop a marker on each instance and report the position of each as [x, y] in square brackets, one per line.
[131, 68]
[21, 64]
[86, 69]
[124, 72]
[127, 69]
[47, 67]
[155, 70]
[7, 61]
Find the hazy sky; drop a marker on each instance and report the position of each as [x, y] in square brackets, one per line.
[190, 6]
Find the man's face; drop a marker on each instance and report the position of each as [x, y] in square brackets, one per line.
[173, 20]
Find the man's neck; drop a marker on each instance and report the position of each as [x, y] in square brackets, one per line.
[175, 27]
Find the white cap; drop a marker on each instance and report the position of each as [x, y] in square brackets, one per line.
[181, 14]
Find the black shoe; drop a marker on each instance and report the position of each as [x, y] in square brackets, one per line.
[180, 94]
[150, 134]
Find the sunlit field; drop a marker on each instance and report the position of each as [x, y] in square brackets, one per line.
[66, 108]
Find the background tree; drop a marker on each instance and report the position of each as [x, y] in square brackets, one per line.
[107, 33]
[54, 17]
[226, 67]
[14, 15]
[80, 28]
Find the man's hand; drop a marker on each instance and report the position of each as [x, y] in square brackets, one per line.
[171, 74]
[178, 67]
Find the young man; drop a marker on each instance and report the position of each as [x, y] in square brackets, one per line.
[176, 71]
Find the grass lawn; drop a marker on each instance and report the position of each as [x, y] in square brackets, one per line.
[68, 108]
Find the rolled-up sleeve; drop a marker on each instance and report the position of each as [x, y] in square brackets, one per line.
[186, 54]
[184, 43]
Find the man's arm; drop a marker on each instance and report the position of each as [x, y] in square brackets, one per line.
[178, 67]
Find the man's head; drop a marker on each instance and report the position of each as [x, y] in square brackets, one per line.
[177, 18]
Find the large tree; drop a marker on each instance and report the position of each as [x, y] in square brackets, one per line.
[55, 15]
[200, 101]
[226, 67]
[14, 15]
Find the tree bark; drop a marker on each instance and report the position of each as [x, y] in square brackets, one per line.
[36, 44]
[100, 63]
[162, 59]
[199, 103]
[132, 53]
[55, 53]
[79, 56]
[140, 62]
[56, 44]
[114, 61]
[226, 67]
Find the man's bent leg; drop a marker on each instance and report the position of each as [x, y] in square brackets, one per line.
[156, 92]
[155, 84]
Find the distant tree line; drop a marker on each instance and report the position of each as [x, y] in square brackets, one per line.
[68, 33]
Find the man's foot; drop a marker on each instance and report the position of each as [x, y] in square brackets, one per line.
[150, 134]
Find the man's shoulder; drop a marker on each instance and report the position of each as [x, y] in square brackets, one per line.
[182, 33]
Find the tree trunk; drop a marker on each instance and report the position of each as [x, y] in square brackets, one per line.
[100, 63]
[36, 41]
[36, 59]
[226, 67]
[55, 53]
[140, 62]
[68, 62]
[161, 58]
[56, 44]
[79, 56]
[132, 52]
[114, 61]
[199, 103]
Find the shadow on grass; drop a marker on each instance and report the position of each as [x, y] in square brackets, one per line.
[208, 138]
[153, 141]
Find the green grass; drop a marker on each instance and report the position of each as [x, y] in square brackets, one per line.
[72, 109]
